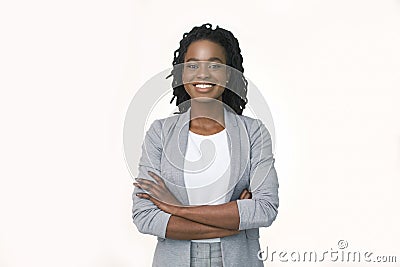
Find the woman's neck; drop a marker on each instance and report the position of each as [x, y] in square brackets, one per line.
[207, 117]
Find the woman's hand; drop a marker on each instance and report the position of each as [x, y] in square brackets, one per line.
[168, 208]
[246, 194]
[157, 191]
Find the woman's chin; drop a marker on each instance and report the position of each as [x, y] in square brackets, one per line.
[204, 99]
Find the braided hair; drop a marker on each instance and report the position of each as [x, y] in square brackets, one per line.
[235, 97]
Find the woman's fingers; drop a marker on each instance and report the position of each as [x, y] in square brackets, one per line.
[143, 195]
[249, 195]
[245, 194]
[156, 202]
[156, 177]
[153, 188]
[145, 184]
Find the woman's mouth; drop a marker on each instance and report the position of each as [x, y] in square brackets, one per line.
[203, 87]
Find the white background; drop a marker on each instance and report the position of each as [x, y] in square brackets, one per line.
[69, 69]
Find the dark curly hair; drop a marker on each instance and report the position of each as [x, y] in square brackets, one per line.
[235, 97]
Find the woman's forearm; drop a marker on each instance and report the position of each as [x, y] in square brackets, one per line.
[184, 229]
[222, 216]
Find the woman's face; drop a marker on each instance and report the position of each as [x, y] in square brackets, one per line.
[204, 72]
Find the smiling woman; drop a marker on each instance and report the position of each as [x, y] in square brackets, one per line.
[199, 204]
[204, 72]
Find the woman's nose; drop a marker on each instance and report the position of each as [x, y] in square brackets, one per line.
[203, 71]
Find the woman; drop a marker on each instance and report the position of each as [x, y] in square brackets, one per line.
[202, 210]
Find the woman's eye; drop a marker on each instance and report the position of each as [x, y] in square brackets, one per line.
[215, 66]
[192, 66]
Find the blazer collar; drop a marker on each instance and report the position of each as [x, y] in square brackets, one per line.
[229, 117]
[238, 153]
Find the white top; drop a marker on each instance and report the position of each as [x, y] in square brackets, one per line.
[207, 170]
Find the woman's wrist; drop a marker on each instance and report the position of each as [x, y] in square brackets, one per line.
[180, 211]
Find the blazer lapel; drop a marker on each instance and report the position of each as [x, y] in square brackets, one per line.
[239, 148]
[176, 151]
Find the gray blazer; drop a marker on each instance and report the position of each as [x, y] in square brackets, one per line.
[252, 166]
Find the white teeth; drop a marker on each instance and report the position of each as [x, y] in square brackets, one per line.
[200, 85]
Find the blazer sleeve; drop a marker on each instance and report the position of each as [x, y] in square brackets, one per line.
[262, 209]
[147, 217]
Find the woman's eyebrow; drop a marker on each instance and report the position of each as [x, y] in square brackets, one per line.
[210, 59]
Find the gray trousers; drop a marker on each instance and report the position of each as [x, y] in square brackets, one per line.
[205, 254]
